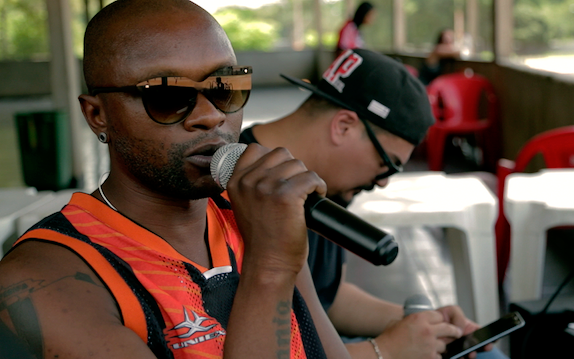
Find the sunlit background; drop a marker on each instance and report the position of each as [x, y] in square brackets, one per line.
[543, 30]
[297, 37]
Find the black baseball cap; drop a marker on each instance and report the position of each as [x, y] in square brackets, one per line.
[379, 89]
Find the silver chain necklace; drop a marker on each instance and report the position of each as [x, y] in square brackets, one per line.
[102, 192]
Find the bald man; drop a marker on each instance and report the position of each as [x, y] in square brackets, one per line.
[155, 263]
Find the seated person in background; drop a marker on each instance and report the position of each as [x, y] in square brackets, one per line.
[350, 35]
[156, 264]
[444, 52]
[359, 127]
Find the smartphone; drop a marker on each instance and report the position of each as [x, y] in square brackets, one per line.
[482, 336]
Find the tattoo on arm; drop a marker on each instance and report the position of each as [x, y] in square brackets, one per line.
[283, 332]
[17, 312]
[27, 325]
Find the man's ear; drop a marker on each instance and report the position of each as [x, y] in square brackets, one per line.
[94, 114]
[344, 126]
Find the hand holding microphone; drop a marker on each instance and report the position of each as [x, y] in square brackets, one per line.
[322, 215]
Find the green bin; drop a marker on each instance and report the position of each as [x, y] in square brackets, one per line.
[45, 149]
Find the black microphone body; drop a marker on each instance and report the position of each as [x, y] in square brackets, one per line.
[335, 223]
[322, 216]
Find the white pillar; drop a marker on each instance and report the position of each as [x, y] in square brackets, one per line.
[323, 58]
[298, 41]
[65, 81]
[503, 28]
[399, 26]
[472, 15]
[458, 25]
[317, 14]
[349, 9]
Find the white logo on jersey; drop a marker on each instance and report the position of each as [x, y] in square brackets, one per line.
[343, 66]
[194, 326]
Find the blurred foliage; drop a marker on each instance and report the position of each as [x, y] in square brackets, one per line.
[539, 25]
[312, 40]
[270, 27]
[23, 30]
[378, 36]
[246, 31]
[427, 18]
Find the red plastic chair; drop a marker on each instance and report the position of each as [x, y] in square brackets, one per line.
[557, 149]
[463, 103]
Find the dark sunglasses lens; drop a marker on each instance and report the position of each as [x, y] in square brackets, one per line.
[169, 104]
[227, 100]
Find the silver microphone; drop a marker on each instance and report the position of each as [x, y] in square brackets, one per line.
[417, 303]
[223, 162]
[322, 215]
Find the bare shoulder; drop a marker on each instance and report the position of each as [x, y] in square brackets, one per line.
[38, 267]
[51, 300]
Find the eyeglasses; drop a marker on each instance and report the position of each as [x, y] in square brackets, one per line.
[392, 167]
[169, 100]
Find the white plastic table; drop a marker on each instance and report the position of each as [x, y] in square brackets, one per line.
[15, 202]
[533, 203]
[466, 207]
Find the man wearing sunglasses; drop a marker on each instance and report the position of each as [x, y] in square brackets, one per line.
[359, 126]
[155, 263]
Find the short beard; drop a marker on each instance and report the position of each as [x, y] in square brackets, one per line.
[166, 175]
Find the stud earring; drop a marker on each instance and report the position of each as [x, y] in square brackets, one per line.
[103, 137]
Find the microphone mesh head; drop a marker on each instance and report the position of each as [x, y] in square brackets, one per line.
[223, 162]
[417, 303]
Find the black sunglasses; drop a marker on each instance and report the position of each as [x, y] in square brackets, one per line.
[392, 167]
[169, 100]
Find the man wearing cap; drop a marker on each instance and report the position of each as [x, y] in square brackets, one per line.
[359, 127]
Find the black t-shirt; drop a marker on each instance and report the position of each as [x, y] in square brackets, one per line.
[325, 259]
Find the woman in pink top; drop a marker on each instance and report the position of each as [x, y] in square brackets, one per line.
[350, 36]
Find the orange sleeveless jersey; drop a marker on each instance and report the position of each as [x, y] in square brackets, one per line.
[180, 309]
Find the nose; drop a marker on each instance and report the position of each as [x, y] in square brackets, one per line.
[382, 182]
[204, 116]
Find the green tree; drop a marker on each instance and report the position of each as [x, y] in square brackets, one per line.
[246, 31]
[23, 30]
[379, 35]
[538, 24]
[531, 31]
[425, 19]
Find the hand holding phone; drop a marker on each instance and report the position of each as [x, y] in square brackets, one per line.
[482, 336]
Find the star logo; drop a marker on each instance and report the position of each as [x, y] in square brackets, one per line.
[194, 325]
